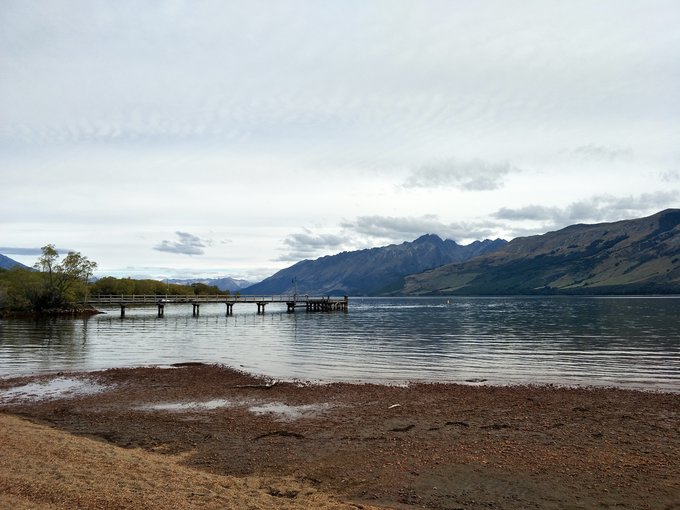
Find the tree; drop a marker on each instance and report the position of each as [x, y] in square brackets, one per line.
[204, 289]
[47, 262]
[62, 283]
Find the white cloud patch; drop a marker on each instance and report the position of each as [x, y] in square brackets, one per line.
[472, 175]
[187, 244]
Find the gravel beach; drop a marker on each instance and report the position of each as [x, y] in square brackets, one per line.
[258, 443]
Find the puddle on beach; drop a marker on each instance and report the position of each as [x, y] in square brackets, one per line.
[60, 387]
[281, 411]
[285, 412]
[217, 403]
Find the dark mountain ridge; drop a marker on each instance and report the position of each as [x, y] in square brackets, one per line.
[8, 263]
[623, 257]
[371, 271]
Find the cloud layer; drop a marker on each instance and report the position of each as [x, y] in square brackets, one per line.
[593, 209]
[300, 128]
[397, 229]
[10, 250]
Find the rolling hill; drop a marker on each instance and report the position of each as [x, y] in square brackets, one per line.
[624, 257]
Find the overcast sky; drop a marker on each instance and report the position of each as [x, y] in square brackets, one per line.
[236, 138]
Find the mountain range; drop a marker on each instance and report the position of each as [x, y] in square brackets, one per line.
[226, 283]
[624, 257]
[372, 271]
[638, 256]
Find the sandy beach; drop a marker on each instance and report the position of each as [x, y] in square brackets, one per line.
[212, 437]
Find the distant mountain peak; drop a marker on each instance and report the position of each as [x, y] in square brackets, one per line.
[428, 238]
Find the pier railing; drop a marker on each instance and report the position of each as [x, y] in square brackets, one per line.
[292, 301]
[152, 299]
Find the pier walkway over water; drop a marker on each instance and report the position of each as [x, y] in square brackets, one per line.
[293, 301]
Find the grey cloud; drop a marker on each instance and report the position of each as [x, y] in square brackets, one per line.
[596, 152]
[307, 244]
[593, 209]
[670, 176]
[9, 250]
[473, 175]
[188, 244]
[617, 207]
[408, 228]
[530, 212]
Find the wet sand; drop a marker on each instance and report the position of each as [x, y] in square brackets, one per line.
[442, 446]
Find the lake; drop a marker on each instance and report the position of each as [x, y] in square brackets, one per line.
[609, 341]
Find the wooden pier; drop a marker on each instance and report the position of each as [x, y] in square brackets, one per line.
[309, 303]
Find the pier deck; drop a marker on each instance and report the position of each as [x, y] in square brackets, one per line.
[292, 301]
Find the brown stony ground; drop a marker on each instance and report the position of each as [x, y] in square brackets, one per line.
[440, 446]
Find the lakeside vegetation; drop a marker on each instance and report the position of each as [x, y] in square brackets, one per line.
[62, 285]
[111, 285]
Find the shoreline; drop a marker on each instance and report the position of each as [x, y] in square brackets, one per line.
[72, 313]
[405, 383]
[426, 445]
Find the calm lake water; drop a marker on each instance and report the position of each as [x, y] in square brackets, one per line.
[625, 342]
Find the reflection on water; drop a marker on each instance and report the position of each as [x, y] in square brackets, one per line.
[630, 342]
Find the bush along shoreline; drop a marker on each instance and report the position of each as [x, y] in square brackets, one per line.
[55, 285]
[75, 312]
[58, 286]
